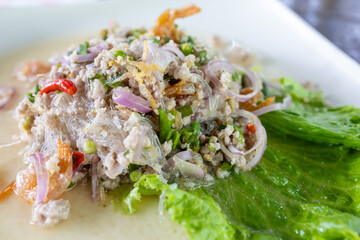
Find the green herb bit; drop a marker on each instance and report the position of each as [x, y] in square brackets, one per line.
[186, 48]
[120, 53]
[226, 166]
[202, 57]
[185, 111]
[155, 40]
[69, 53]
[71, 185]
[126, 152]
[176, 26]
[210, 147]
[135, 176]
[58, 65]
[238, 76]
[89, 147]
[166, 39]
[37, 89]
[222, 126]
[146, 148]
[131, 58]
[133, 167]
[83, 48]
[31, 97]
[137, 33]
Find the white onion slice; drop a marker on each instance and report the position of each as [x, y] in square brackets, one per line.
[6, 94]
[235, 151]
[42, 177]
[184, 155]
[227, 152]
[132, 101]
[274, 107]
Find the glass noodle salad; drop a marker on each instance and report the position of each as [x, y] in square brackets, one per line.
[155, 109]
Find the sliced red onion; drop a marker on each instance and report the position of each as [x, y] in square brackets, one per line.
[246, 97]
[184, 155]
[274, 107]
[42, 177]
[140, 144]
[159, 56]
[227, 152]
[6, 94]
[216, 65]
[174, 49]
[132, 101]
[188, 169]
[86, 57]
[261, 138]
[56, 59]
[234, 150]
[93, 52]
[254, 160]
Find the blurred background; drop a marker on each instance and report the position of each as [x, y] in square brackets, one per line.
[338, 20]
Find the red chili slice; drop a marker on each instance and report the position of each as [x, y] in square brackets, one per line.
[77, 158]
[251, 127]
[60, 84]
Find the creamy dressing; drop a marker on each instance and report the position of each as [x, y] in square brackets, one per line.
[87, 220]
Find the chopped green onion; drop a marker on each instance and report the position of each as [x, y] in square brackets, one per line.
[133, 167]
[185, 111]
[89, 147]
[137, 33]
[120, 53]
[31, 97]
[210, 147]
[155, 40]
[166, 39]
[226, 166]
[146, 148]
[37, 89]
[176, 26]
[83, 48]
[69, 53]
[126, 152]
[186, 48]
[131, 58]
[135, 176]
[202, 57]
[222, 126]
[235, 77]
[58, 65]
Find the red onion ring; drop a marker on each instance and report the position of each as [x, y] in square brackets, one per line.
[175, 50]
[6, 94]
[235, 151]
[92, 53]
[216, 65]
[132, 101]
[274, 107]
[140, 145]
[227, 152]
[261, 138]
[42, 177]
[184, 155]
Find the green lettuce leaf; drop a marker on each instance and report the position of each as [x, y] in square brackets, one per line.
[321, 125]
[300, 190]
[196, 211]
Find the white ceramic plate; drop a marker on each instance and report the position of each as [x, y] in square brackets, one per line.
[285, 44]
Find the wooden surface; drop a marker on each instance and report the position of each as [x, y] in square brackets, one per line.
[338, 20]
